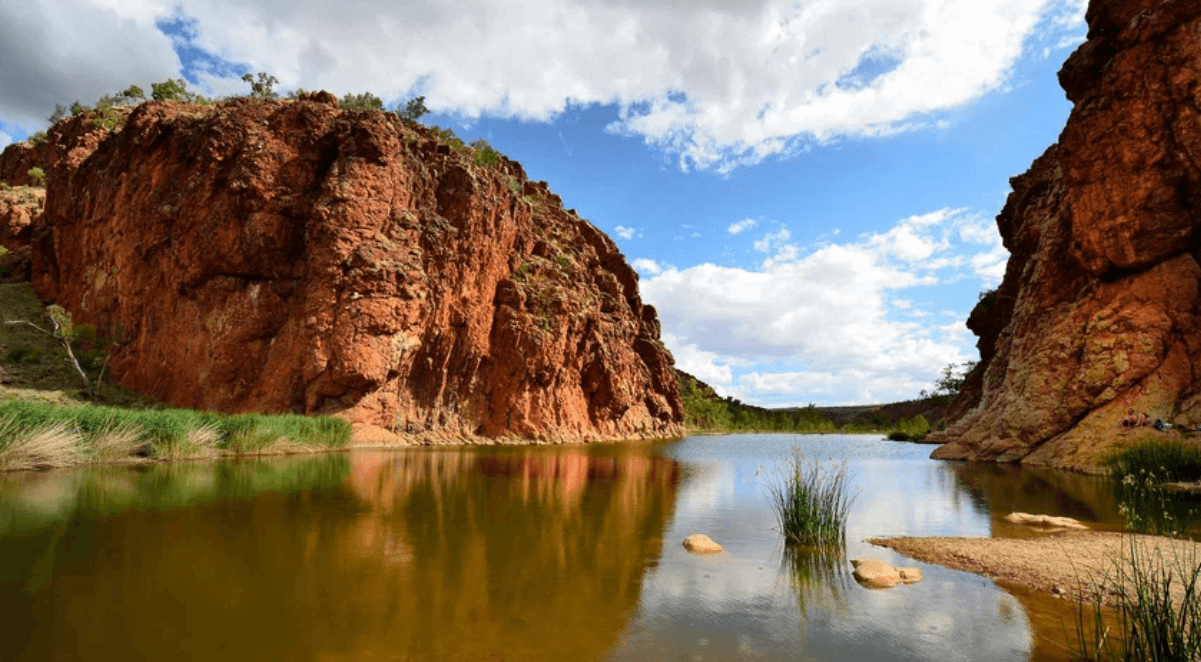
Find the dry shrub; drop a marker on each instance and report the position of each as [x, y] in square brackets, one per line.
[117, 443]
[43, 447]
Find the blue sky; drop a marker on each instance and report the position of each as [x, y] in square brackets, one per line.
[807, 189]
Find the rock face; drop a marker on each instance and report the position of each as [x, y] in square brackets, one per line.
[290, 256]
[1098, 309]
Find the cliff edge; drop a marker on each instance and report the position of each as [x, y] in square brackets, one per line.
[1099, 306]
[264, 255]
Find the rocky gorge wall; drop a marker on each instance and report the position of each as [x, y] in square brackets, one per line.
[1098, 309]
[289, 256]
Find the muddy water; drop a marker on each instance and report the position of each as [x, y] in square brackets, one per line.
[535, 553]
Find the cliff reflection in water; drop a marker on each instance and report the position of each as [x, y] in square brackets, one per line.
[526, 553]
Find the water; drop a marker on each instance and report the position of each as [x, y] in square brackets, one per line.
[510, 553]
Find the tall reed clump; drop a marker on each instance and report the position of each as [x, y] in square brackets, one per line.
[1158, 606]
[1170, 460]
[812, 502]
[1139, 472]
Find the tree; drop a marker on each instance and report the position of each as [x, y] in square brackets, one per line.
[169, 90]
[366, 100]
[413, 110]
[37, 176]
[261, 88]
[60, 111]
[952, 379]
[64, 332]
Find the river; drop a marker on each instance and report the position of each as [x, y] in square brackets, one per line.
[513, 553]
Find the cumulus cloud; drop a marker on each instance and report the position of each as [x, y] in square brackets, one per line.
[719, 84]
[62, 50]
[744, 224]
[624, 232]
[832, 325]
[646, 267]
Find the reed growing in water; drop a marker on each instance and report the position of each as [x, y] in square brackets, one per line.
[1158, 611]
[811, 503]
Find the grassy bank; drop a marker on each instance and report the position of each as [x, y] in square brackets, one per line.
[38, 435]
[50, 418]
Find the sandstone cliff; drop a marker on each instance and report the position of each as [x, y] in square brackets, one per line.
[290, 256]
[1099, 305]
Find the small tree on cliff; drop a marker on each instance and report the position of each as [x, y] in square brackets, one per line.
[366, 100]
[64, 332]
[262, 88]
[953, 376]
[413, 110]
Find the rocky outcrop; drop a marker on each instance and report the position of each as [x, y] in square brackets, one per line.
[1098, 309]
[290, 256]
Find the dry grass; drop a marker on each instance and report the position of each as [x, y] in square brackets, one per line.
[51, 445]
[199, 442]
[118, 443]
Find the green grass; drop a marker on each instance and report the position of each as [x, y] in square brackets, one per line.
[1158, 606]
[41, 435]
[811, 503]
[1170, 460]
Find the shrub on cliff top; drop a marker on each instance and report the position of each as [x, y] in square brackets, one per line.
[413, 110]
[484, 154]
[364, 101]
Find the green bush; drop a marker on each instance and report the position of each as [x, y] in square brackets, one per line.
[37, 176]
[484, 154]
[364, 101]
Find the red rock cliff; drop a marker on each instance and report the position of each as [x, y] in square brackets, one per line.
[1099, 307]
[290, 256]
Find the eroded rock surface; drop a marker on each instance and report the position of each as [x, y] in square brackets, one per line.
[289, 256]
[1098, 308]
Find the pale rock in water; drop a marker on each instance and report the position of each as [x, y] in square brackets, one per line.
[699, 543]
[874, 573]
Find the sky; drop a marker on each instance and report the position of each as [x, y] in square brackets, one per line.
[807, 188]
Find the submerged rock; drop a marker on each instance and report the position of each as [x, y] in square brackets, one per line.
[1098, 309]
[278, 256]
[874, 573]
[1050, 521]
[699, 543]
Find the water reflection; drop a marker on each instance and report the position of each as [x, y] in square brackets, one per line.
[512, 554]
[542, 553]
[1005, 488]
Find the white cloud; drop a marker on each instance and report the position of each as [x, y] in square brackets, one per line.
[624, 232]
[58, 51]
[5, 140]
[831, 325]
[719, 84]
[646, 267]
[744, 224]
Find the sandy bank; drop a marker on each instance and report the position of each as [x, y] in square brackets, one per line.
[1069, 564]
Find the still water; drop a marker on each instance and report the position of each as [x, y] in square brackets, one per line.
[512, 553]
